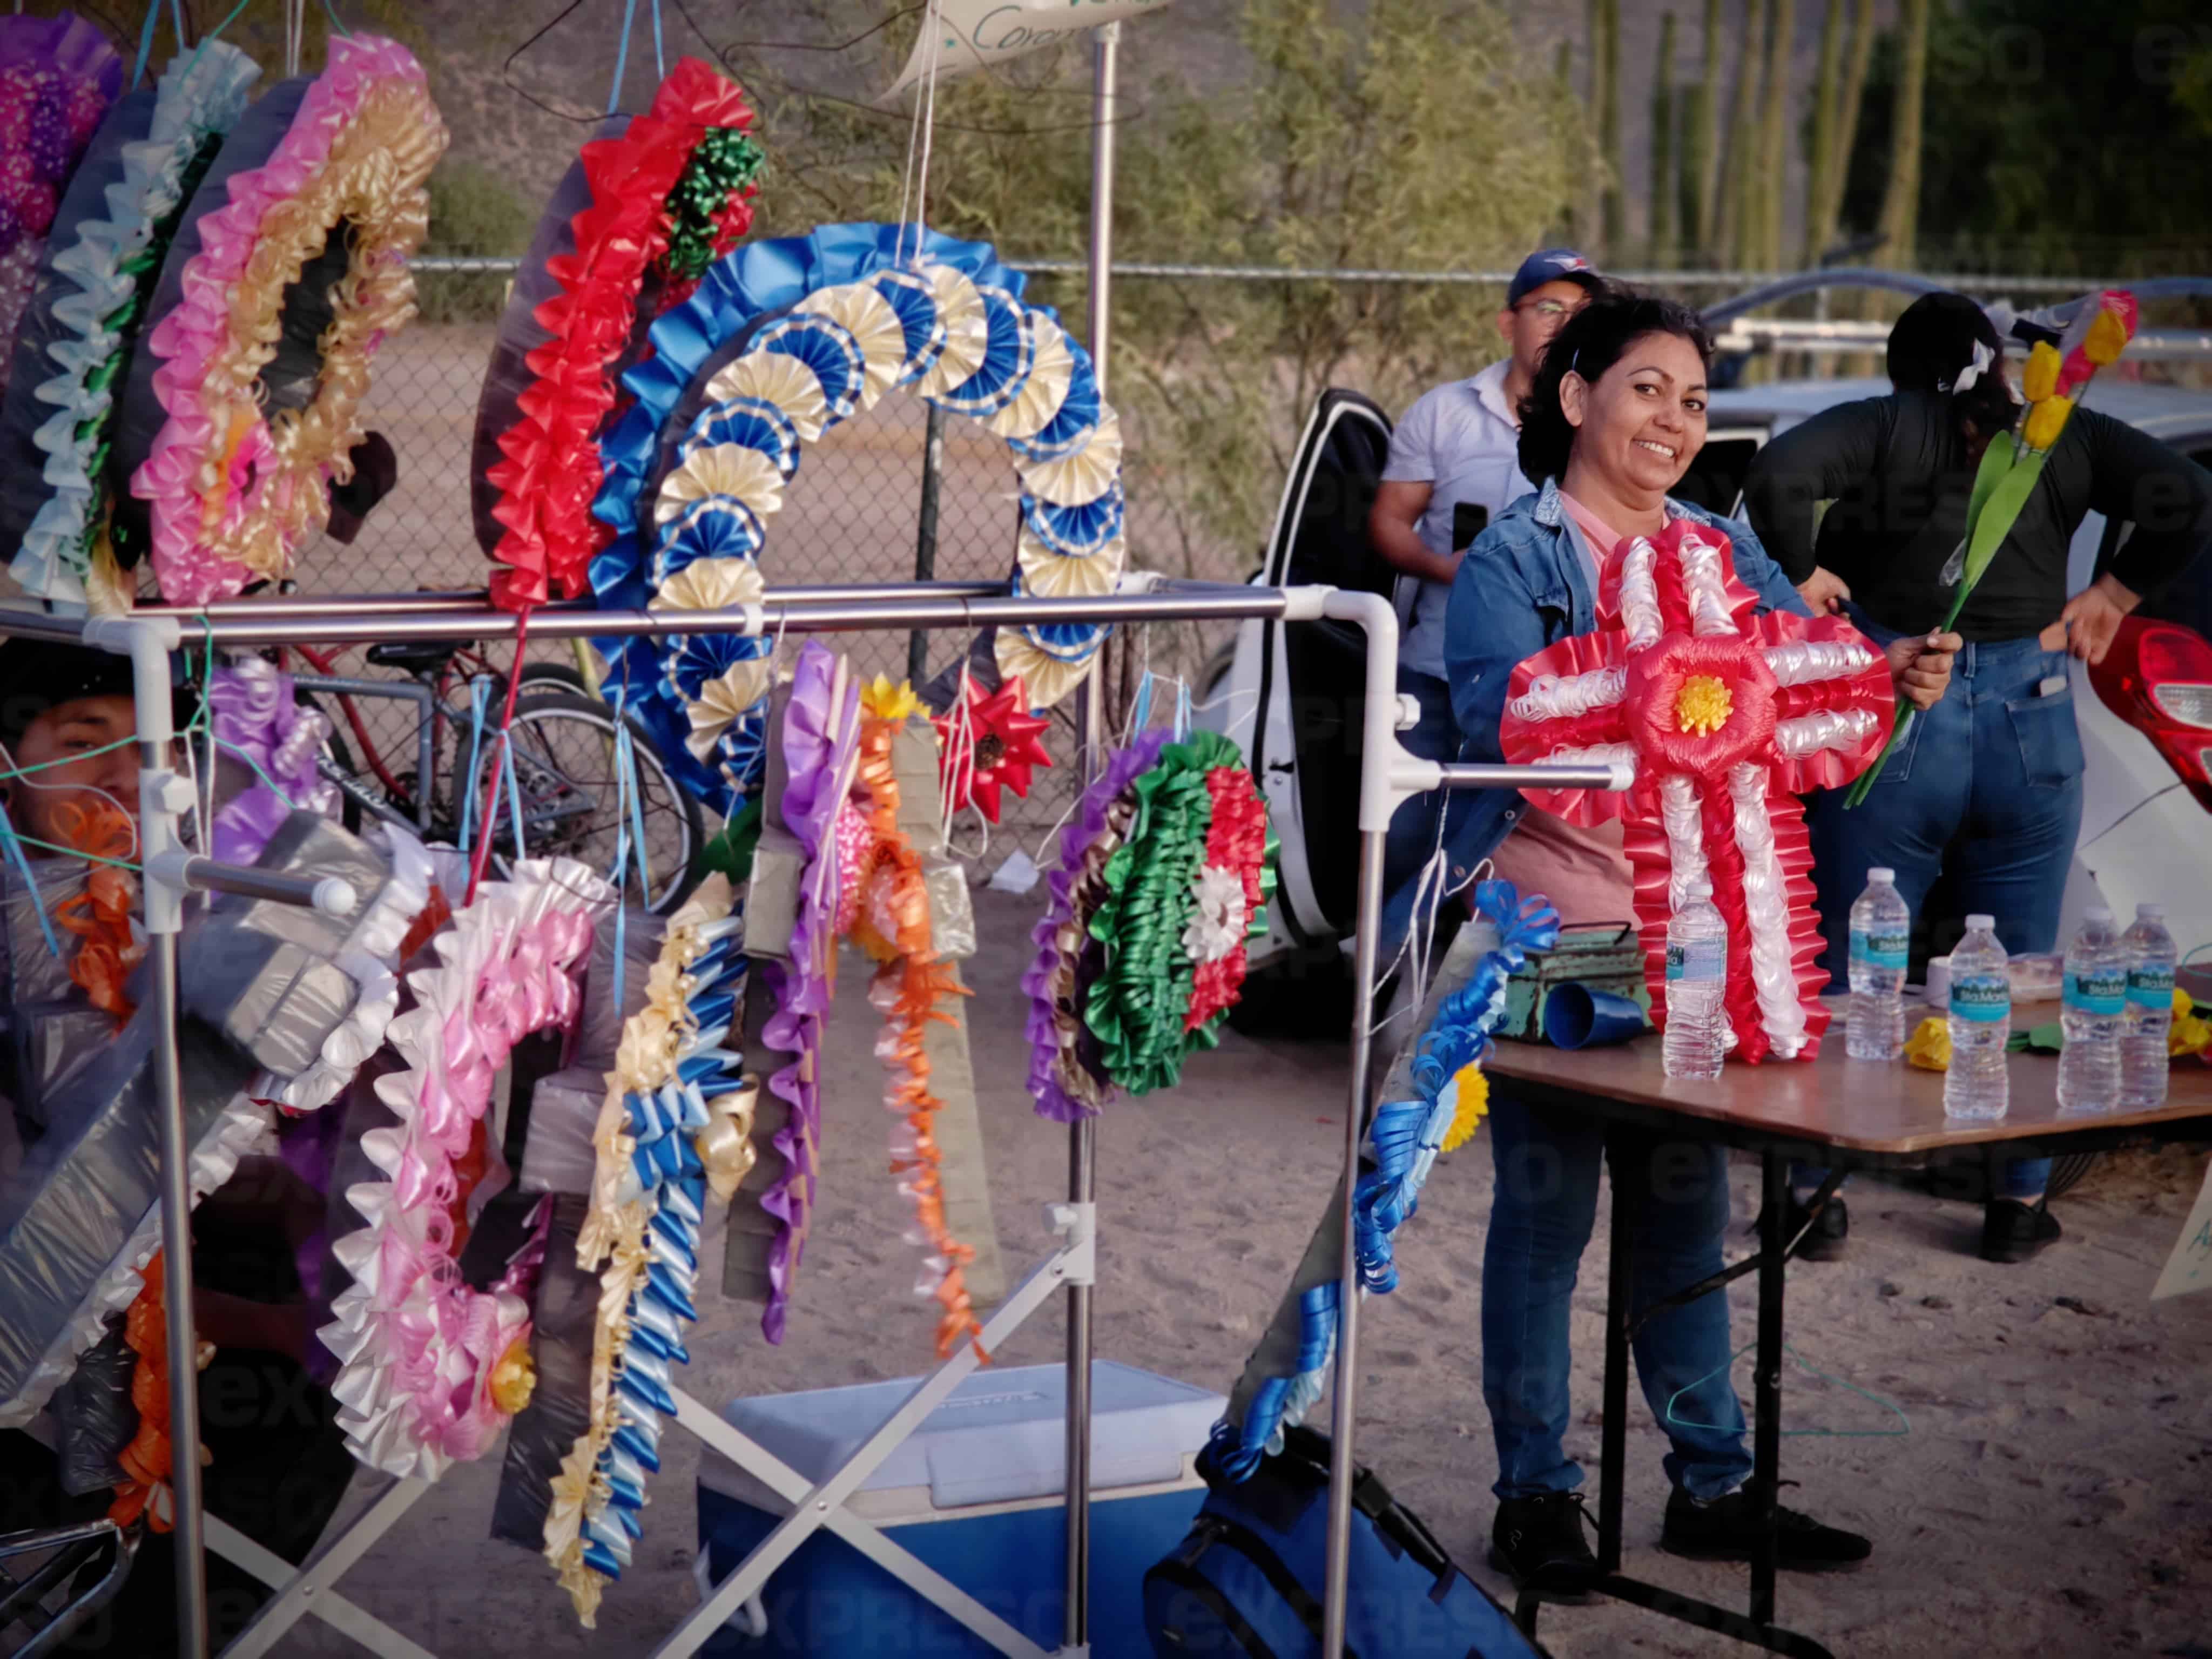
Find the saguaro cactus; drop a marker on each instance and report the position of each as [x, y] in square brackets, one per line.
[1610, 214]
[1900, 205]
[1663, 192]
[1739, 200]
[1773, 145]
[1701, 169]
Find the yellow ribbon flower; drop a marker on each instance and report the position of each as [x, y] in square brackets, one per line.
[514, 1379]
[725, 1144]
[2188, 1035]
[1704, 705]
[1474, 1101]
[885, 702]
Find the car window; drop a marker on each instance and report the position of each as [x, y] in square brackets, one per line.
[1715, 480]
[2187, 598]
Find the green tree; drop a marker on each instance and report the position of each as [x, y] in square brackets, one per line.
[1411, 138]
[2066, 136]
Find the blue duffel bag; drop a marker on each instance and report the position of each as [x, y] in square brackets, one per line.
[1246, 1581]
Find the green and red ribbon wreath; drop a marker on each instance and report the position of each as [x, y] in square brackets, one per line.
[1184, 892]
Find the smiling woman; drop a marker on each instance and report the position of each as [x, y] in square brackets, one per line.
[1615, 418]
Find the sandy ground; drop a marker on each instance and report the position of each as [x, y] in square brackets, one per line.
[2051, 1497]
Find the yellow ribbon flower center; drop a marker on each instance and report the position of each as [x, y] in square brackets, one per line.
[1703, 705]
[514, 1379]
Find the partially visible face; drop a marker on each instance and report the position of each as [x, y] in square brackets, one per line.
[81, 745]
[1529, 327]
[1644, 422]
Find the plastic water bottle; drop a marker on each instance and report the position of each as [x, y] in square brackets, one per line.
[2095, 1009]
[2143, 1064]
[1697, 982]
[1977, 1085]
[1881, 938]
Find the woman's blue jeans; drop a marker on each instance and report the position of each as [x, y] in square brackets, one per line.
[1988, 782]
[1539, 1221]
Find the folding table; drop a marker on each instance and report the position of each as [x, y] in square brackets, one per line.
[1842, 1113]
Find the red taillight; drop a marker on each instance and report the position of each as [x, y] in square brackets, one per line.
[2158, 678]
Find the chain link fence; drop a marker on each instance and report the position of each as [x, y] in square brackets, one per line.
[855, 513]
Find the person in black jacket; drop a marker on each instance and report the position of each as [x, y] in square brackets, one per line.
[1991, 777]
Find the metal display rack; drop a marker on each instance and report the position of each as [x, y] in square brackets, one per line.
[1389, 775]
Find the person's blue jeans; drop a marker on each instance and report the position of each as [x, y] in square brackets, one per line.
[1539, 1221]
[1989, 778]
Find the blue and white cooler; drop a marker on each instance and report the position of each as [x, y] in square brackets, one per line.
[975, 1493]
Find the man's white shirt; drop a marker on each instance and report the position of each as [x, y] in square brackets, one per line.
[1461, 440]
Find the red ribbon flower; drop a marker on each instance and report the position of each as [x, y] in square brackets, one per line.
[991, 742]
[1726, 718]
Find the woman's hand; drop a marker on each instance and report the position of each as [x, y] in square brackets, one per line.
[1824, 593]
[1920, 668]
[2092, 617]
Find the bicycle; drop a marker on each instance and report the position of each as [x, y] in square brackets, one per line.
[563, 744]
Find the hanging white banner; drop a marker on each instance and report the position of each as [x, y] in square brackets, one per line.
[974, 33]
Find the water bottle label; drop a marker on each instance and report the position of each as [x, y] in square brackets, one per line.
[1880, 950]
[2151, 988]
[1699, 963]
[1983, 997]
[2102, 991]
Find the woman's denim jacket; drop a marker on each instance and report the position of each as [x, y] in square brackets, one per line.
[1524, 585]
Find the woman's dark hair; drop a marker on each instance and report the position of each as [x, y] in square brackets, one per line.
[1933, 340]
[1593, 340]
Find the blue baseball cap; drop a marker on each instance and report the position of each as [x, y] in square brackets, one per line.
[1552, 264]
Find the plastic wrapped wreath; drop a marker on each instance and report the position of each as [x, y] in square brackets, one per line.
[677, 1121]
[1173, 871]
[1439, 1114]
[891, 921]
[111, 237]
[431, 1368]
[651, 203]
[289, 271]
[57, 76]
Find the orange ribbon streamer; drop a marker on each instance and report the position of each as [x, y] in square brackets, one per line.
[908, 989]
[99, 914]
[147, 1461]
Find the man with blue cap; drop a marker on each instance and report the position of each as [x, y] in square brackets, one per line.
[1453, 467]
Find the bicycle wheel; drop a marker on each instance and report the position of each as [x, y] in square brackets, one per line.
[564, 771]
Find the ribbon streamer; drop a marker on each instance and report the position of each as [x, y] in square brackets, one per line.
[678, 1119]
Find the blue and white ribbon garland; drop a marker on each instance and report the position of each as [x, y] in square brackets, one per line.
[828, 321]
[678, 1122]
[1406, 1140]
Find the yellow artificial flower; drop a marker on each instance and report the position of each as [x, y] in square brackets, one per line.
[2040, 378]
[885, 702]
[1930, 1047]
[1474, 1103]
[515, 1377]
[2045, 421]
[2106, 339]
[1704, 705]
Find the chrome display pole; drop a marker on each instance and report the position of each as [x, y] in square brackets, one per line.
[1093, 741]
